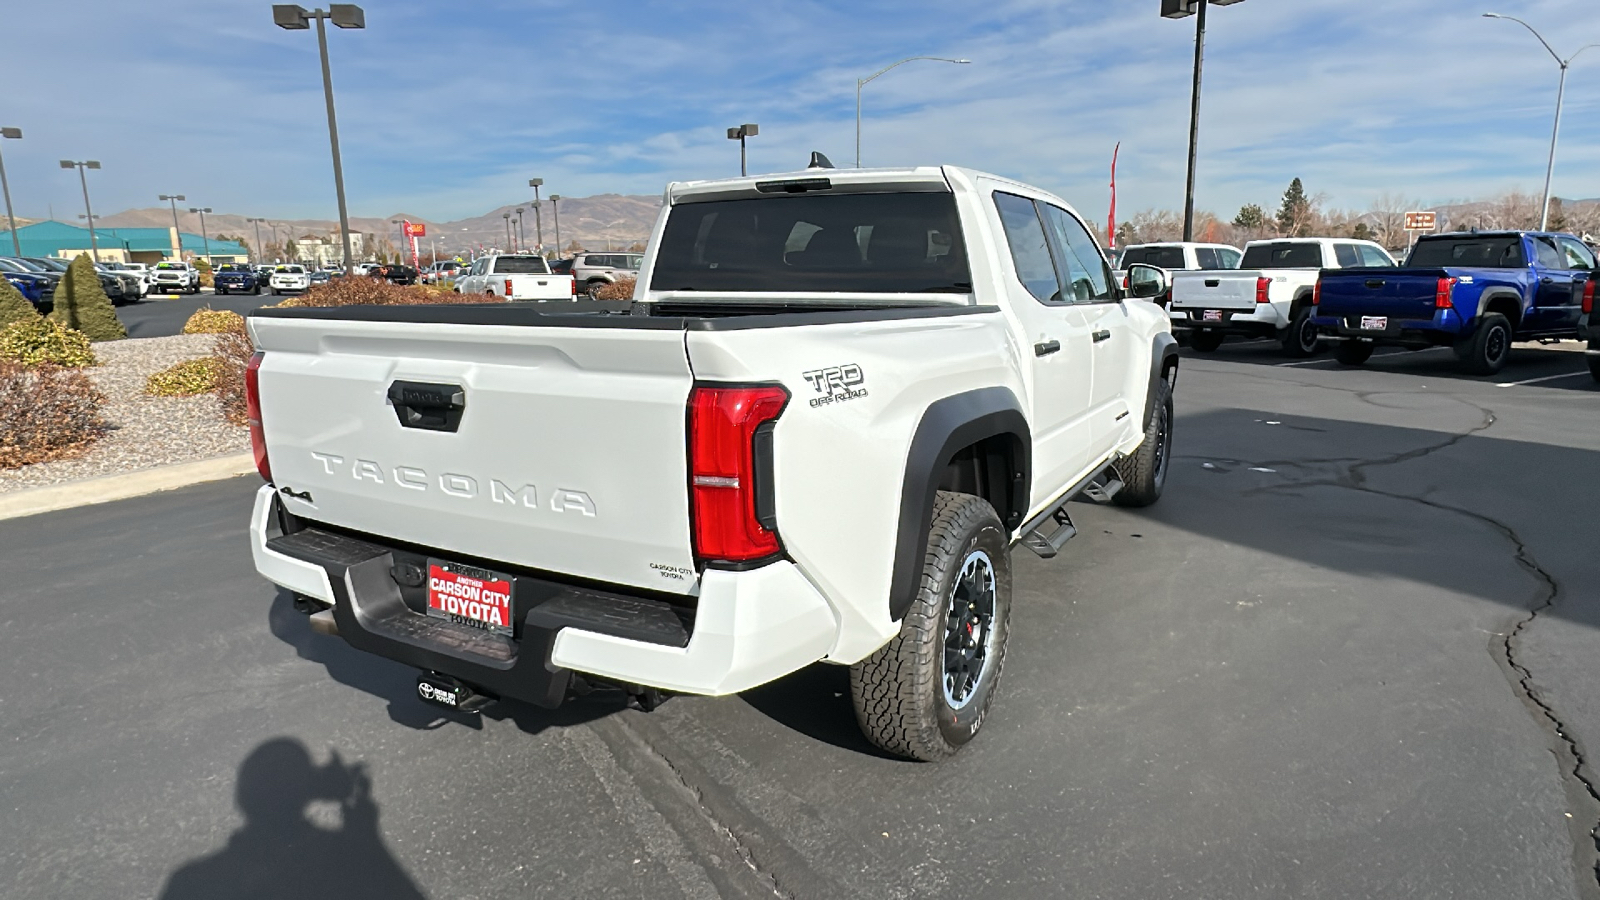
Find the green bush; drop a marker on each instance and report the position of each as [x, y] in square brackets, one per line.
[13, 306]
[213, 321]
[207, 277]
[190, 377]
[81, 303]
[46, 413]
[45, 342]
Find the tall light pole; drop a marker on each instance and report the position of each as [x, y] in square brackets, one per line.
[555, 209]
[94, 243]
[259, 249]
[1178, 9]
[538, 221]
[176, 228]
[1555, 130]
[739, 133]
[344, 15]
[522, 240]
[507, 217]
[16, 242]
[204, 234]
[400, 226]
[862, 82]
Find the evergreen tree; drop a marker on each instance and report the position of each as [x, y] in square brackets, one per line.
[1295, 213]
[13, 306]
[81, 303]
[1558, 216]
[1362, 233]
[1251, 216]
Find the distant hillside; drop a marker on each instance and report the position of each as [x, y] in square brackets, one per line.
[624, 219]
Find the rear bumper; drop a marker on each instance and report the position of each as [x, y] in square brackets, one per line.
[746, 629]
[1444, 329]
[1263, 320]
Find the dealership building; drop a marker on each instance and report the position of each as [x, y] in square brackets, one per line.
[142, 245]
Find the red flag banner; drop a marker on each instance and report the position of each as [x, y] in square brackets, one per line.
[1111, 219]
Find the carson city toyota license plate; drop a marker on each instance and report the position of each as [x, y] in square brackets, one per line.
[471, 596]
[1374, 323]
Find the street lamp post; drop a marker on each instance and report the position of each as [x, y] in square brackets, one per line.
[555, 209]
[5, 187]
[522, 236]
[344, 15]
[204, 234]
[862, 82]
[1178, 9]
[400, 248]
[538, 220]
[1561, 92]
[739, 133]
[94, 243]
[507, 217]
[176, 228]
[257, 223]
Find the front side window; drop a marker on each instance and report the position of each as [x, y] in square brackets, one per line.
[1578, 255]
[1030, 252]
[1372, 256]
[1085, 278]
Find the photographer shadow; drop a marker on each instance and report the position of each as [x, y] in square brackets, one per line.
[309, 831]
[396, 682]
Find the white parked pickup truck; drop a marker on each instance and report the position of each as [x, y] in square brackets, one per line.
[839, 400]
[1272, 294]
[519, 276]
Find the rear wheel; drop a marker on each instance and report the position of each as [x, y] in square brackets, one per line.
[1486, 351]
[1301, 337]
[596, 285]
[1353, 352]
[1205, 341]
[926, 693]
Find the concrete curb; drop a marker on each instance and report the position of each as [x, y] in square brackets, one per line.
[121, 487]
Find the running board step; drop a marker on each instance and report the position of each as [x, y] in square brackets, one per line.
[1048, 546]
[1102, 492]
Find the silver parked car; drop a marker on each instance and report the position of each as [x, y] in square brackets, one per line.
[594, 270]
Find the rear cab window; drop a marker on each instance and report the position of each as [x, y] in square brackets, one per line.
[1496, 252]
[1165, 257]
[521, 265]
[1282, 255]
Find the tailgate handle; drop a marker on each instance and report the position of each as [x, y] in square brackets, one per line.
[1213, 282]
[427, 405]
[1374, 282]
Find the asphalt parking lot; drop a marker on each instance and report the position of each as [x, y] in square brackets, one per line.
[162, 315]
[1351, 653]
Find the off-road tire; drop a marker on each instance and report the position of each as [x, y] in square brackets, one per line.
[1144, 473]
[1594, 360]
[1352, 352]
[1300, 339]
[1486, 351]
[1204, 341]
[899, 691]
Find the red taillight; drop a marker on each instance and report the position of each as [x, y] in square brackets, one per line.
[1316, 293]
[1588, 296]
[252, 405]
[722, 470]
[1124, 282]
[508, 288]
[1261, 288]
[1441, 294]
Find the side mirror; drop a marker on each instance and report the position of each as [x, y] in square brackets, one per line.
[1147, 281]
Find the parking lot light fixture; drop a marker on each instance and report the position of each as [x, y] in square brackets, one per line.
[862, 82]
[1561, 91]
[177, 230]
[522, 236]
[257, 224]
[538, 220]
[343, 15]
[81, 166]
[555, 210]
[739, 133]
[1179, 9]
[204, 234]
[507, 217]
[11, 134]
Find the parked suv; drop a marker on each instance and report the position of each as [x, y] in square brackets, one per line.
[594, 270]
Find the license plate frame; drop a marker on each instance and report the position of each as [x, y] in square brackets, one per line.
[471, 596]
[1374, 323]
[1211, 315]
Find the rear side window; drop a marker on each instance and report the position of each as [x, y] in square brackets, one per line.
[521, 265]
[1483, 253]
[1282, 255]
[1346, 256]
[1030, 252]
[1372, 256]
[1206, 258]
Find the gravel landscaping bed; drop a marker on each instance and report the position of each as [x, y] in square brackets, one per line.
[146, 431]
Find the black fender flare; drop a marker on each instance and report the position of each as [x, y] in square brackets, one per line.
[1501, 293]
[1163, 351]
[948, 426]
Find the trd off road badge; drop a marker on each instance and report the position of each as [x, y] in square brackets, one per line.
[836, 384]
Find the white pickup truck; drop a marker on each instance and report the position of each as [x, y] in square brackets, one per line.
[515, 276]
[1272, 294]
[838, 401]
[177, 277]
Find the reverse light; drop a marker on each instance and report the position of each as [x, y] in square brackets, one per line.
[1442, 293]
[724, 470]
[1588, 296]
[252, 404]
[1261, 288]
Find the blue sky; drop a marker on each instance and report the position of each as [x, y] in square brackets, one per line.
[447, 108]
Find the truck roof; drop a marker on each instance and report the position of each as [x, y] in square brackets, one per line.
[925, 178]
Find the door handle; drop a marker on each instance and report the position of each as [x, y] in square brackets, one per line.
[1102, 335]
[1046, 348]
[1546, 280]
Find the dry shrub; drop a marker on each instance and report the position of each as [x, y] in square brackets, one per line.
[230, 355]
[45, 342]
[46, 413]
[185, 379]
[359, 291]
[213, 321]
[622, 289]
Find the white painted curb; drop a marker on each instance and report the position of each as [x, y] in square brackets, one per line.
[120, 487]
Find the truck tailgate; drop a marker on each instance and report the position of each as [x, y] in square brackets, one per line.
[538, 287]
[568, 452]
[1234, 290]
[1395, 293]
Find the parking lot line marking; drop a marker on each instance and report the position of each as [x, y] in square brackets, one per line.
[1303, 362]
[1537, 380]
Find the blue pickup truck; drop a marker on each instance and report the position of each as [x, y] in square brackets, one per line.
[1476, 292]
[236, 279]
